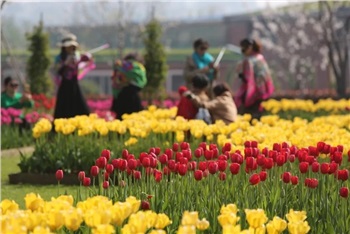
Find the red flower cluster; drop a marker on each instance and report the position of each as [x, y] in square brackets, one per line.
[41, 101]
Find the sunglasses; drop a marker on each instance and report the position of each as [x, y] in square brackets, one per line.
[14, 85]
[203, 48]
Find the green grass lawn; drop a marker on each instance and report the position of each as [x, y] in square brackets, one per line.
[18, 192]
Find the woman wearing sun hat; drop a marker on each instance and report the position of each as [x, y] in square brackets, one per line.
[70, 101]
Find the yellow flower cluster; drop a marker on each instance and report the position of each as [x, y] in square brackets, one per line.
[41, 127]
[330, 129]
[190, 222]
[98, 213]
[257, 218]
[329, 105]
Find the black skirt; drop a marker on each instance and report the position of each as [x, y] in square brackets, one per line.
[70, 101]
[128, 101]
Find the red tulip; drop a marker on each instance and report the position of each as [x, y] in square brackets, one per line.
[132, 164]
[222, 165]
[303, 167]
[130, 156]
[149, 171]
[260, 160]
[101, 162]
[171, 165]
[324, 168]
[178, 156]
[337, 157]
[311, 182]
[291, 158]
[187, 154]
[86, 181]
[166, 171]
[251, 163]
[198, 175]
[285, 145]
[213, 167]
[310, 159]
[203, 145]
[263, 175]
[276, 147]
[222, 157]
[59, 175]
[157, 150]
[208, 154]
[342, 175]
[143, 155]
[333, 167]
[106, 154]
[234, 168]
[169, 153]
[94, 171]
[202, 165]
[110, 168]
[280, 159]
[115, 163]
[344, 192]
[349, 156]
[320, 146]
[313, 151]
[294, 180]
[163, 159]
[254, 179]
[286, 176]
[154, 162]
[185, 145]
[81, 176]
[152, 150]
[137, 175]
[340, 148]
[193, 165]
[105, 184]
[146, 162]
[315, 167]
[145, 205]
[248, 152]
[247, 144]
[175, 147]
[254, 144]
[158, 176]
[265, 151]
[205, 173]
[268, 163]
[125, 153]
[227, 147]
[183, 160]
[215, 152]
[222, 176]
[198, 152]
[182, 169]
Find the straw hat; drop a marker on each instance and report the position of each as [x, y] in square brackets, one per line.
[68, 40]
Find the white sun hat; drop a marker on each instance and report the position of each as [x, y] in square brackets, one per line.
[68, 40]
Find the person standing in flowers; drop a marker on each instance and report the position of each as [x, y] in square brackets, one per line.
[186, 108]
[70, 101]
[254, 73]
[222, 107]
[128, 79]
[200, 62]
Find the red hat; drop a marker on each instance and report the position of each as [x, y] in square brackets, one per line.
[182, 89]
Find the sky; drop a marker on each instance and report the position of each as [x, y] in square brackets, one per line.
[69, 12]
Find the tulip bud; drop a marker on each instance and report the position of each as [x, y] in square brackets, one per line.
[163, 159]
[303, 167]
[105, 184]
[344, 192]
[182, 169]
[86, 181]
[146, 162]
[286, 176]
[222, 165]
[110, 168]
[137, 175]
[125, 153]
[263, 175]
[158, 176]
[175, 147]
[94, 171]
[101, 162]
[234, 168]
[81, 176]
[132, 164]
[222, 176]
[212, 167]
[254, 179]
[294, 180]
[59, 175]
[169, 153]
[184, 145]
[106, 154]
[315, 167]
[145, 205]
[198, 175]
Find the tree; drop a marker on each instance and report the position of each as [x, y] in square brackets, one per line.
[155, 60]
[39, 61]
[301, 39]
[335, 20]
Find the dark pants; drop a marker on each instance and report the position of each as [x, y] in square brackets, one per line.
[128, 101]
[24, 126]
[253, 110]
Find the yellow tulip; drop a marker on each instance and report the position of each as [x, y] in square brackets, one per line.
[73, 219]
[8, 206]
[120, 211]
[33, 202]
[135, 204]
[296, 216]
[228, 219]
[298, 227]
[158, 231]
[162, 221]
[230, 208]
[41, 230]
[256, 218]
[189, 218]
[231, 229]
[276, 226]
[202, 224]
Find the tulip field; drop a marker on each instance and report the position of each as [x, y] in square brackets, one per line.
[154, 173]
